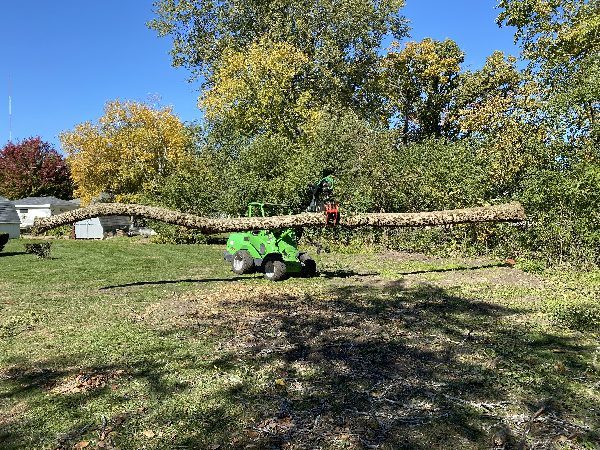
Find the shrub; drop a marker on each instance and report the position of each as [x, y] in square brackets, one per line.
[40, 249]
[376, 173]
[195, 188]
[60, 232]
[173, 234]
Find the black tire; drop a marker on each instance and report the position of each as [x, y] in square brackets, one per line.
[309, 266]
[3, 240]
[242, 262]
[273, 268]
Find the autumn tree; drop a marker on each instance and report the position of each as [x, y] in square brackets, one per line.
[258, 90]
[498, 107]
[338, 41]
[419, 81]
[33, 168]
[131, 145]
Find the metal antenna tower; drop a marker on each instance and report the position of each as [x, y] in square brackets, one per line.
[9, 109]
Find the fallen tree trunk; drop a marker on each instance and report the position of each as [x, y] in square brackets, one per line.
[509, 212]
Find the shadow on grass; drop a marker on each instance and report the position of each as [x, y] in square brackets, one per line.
[325, 274]
[161, 282]
[457, 269]
[342, 273]
[69, 390]
[356, 367]
[11, 254]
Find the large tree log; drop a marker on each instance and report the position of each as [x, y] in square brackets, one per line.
[509, 212]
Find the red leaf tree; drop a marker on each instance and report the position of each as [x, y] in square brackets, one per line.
[33, 168]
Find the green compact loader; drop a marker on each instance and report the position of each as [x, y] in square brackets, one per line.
[272, 252]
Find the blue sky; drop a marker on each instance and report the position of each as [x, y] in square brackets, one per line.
[66, 58]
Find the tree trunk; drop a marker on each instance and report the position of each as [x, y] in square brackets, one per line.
[509, 212]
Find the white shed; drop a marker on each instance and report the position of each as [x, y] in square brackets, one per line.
[9, 219]
[99, 227]
[31, 207]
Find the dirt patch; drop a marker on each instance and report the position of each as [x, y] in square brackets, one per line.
[230, 306]
[84, 382]
[492, 276]
[408, 257]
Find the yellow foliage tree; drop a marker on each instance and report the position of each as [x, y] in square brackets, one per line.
[260, 89]
[131, 145]
[419, 81]
[498, 107]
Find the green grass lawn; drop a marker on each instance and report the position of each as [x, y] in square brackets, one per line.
[127, 344]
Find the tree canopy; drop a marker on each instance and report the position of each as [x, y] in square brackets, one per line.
[339, 40]
[260, 89]
[130, 146]
[33, 168]
[419, 83]
[561, 40]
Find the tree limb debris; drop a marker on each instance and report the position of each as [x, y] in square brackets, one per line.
[509, 212]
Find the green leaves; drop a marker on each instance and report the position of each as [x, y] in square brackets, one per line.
[561, 39]
[418, 83]
[333, 47]
[260, 90]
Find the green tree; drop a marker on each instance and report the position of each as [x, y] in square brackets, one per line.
[498, 107]
[340, 39]
[256, 90]
[553, 31]
[498, 78]
[419, 82]
[561, 39]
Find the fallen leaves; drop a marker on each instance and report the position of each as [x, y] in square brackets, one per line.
[276, 425]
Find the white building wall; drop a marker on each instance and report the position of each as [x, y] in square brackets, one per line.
[28, 213]
[97, 228]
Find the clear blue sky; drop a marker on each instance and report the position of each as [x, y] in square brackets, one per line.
[67, 58]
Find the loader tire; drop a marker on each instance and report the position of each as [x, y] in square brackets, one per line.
[309, 266]
[274, 268]
[242, 262]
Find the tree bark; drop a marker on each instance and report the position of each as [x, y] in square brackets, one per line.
[509, 212]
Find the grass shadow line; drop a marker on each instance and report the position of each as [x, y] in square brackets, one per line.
[457, 269]
[11, 254]
[161, 282]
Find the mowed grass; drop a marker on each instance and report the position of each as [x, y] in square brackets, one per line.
[127, 344]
